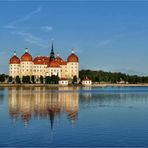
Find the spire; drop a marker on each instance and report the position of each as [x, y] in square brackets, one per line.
[52, 47]
[14, 53]
[52, 55]
[26, 50]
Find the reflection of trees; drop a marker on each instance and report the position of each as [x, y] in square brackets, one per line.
[1, 95]
[41, 103]
[112, 99]
[1, 98]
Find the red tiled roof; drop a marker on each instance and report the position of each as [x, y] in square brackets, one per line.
[14, 60]
[64, 79]
[72, 58]
[41, 60]
[63, 63]
[54, 64]
[26, 57]
[58, 59]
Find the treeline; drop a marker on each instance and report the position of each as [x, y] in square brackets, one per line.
[112, 77]
[32, 80]
[29, 80]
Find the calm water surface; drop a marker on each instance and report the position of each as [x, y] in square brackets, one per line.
[66, 116]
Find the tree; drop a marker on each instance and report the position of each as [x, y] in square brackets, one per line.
[74, 80]
[26, 79]
[41, 79]
[54, 79]
[47, 79]
[17, 80]
[10, 79]
[112, 77]
[33, 79]
[2, 78]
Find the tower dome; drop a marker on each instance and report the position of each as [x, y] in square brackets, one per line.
[58, 58]
[14, 59]
[26, 56]
[72, 57]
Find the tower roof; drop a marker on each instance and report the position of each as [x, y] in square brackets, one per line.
[72, 57]
[14, 59]
[26, 56]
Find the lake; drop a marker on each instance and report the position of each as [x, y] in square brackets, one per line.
[74, 116]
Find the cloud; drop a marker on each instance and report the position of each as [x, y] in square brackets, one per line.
[104, 43]
[47, 28]
[12, 25]
[110, 40]
[30, 38]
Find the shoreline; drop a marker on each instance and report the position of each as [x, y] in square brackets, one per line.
[57, 85]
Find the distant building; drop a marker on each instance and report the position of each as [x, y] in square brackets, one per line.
[44, 65]
[63, 81]
[87, 82]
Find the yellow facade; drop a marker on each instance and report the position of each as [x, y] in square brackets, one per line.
[66, 69]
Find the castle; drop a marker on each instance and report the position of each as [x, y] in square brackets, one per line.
[44, 65]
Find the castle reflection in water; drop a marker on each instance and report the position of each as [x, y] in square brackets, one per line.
[41, 103]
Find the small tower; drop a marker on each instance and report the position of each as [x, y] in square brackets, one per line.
[72, 51]
[52, 55]
[14, 53]
[26, 50]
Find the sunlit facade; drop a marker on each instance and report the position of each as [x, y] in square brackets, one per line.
[44, 65]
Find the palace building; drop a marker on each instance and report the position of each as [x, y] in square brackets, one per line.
[44, 65]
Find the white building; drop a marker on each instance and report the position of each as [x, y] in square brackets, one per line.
[86, 82]
[63, 81]
[44, 65]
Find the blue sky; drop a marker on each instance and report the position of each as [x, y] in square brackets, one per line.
[109, 35]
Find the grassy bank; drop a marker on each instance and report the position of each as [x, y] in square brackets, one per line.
[57, 85]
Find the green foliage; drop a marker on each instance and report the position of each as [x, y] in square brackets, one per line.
[26, 79]
[74, 80]
[2, 78]
[52, 80]
[17, 80]
[41, 79]
[47, 79]
[10, 79]
[112, 77]
[33, 79]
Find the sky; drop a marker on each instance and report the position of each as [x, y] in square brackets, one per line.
[106, 35]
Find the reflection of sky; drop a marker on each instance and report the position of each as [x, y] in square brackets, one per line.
[102, 119]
